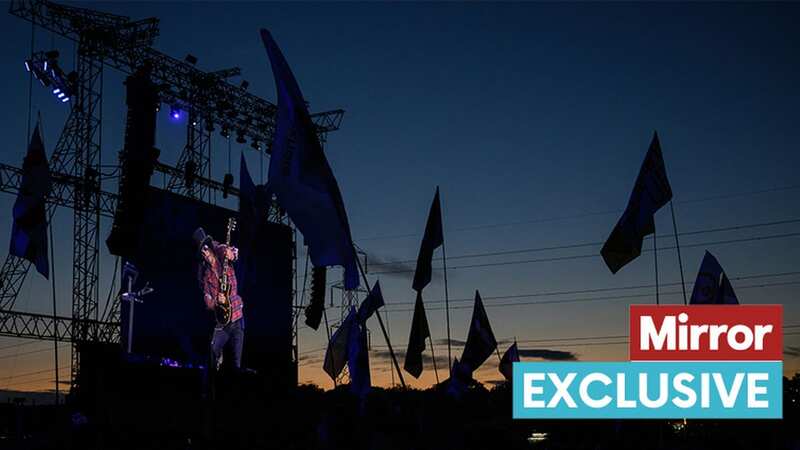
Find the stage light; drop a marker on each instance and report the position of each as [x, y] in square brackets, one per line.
[158, 108]
[225, 132]
[175, 113]
[56, 91]
[27, 65]
[255, 144]
[65, 99]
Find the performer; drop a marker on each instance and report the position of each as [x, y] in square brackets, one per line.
[229, 336]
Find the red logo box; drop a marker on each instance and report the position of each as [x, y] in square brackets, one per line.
[706, 332]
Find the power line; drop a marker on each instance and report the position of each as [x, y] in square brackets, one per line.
[598, 243]
[590, 214]
[596, 290]
[31, 352]
[592, 299]
[597, 255]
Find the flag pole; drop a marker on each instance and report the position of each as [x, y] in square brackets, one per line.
[328, 331]
[380, 321]
[446, 293]
[388, 333]
[53, 280]
[433, 358]
[655, 258]
[678, 247]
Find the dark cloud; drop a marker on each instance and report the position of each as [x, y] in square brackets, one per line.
[427, 361]
[453, 342]
[395, 267]
[552, 355]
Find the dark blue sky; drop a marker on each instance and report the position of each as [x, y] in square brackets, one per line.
[521, 113]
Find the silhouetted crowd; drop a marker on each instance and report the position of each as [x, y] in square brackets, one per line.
[244, 413]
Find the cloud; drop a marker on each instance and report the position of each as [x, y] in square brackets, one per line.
[395, 267]
[427, 361]
[453, 342]
[552, 355]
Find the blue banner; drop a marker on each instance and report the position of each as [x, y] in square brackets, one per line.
[648, 390]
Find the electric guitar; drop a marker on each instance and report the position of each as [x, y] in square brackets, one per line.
[224, 311]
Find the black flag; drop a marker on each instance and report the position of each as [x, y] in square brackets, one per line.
[433, 238]
[511, 356]
[650, 192]
[29, 227]
[416, 340]
[480, 340]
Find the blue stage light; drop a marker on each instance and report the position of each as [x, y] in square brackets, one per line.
[175, 113]
[56, 91]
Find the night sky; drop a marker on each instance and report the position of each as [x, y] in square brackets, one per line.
[533, 119]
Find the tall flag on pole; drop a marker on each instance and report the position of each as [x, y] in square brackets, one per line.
[337, 354]
[302, 179]
[712, 286]
[507, 361]
[416, 340]
[433, 239]
[371, 304]
[29, 227]
[480, 340]
[650, 192]
[358, 359]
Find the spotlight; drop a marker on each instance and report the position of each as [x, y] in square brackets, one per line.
[174, 112]
[225, 132]
[158, 108]
[191, 59]
[27, 65]
[56, 91]
[255, 144]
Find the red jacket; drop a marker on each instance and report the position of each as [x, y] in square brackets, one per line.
[210, 281]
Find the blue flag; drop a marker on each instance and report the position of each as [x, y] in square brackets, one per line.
[358, 360]
[712, 286]
[301, 178]
[480, 340]
[650, 192]
[29, 227]
[371, 304]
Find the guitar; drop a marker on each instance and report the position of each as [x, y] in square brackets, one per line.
[223, 311]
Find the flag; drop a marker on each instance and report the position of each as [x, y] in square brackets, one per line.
[509, 358]
[433, 238]
[416, 340]
[358, 359]
[371, 304]
[712, 286]
[337, 354]
[460, 379]
[480, 339]
[650, 192]
[301, 178]
[29, 226]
